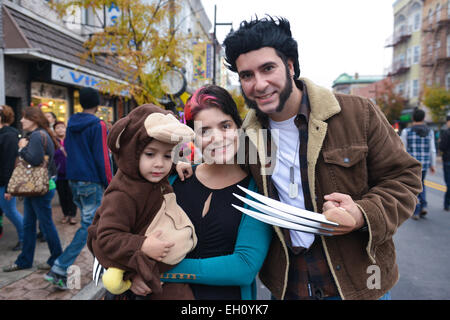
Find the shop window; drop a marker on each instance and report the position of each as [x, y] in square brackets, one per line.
[51, 98]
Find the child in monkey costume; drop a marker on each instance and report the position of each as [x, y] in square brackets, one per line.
[139, 228]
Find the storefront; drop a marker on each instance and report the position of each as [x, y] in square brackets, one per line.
[43, 68]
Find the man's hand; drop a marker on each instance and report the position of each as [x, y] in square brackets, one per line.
[341, 208]
[7, 196]
[156, 248]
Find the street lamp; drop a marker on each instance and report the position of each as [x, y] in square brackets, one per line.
[215, 40]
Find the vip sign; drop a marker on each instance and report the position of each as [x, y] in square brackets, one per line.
[71, 76]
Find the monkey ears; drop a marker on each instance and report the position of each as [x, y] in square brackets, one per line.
[166, 128]
[162, 127]
[116, 132]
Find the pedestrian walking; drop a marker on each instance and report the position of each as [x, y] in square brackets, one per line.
[39, 142]
[89, 173]
[419, 142]
[9, 139]
[68, 207]
[336, 154]
[444, 147]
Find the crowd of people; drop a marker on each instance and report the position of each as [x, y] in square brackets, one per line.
[329, 153]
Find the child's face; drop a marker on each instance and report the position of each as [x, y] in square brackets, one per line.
[155, 161]
[60, 130]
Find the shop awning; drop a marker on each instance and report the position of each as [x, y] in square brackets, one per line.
[29, 38]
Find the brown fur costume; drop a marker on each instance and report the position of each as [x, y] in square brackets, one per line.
[131, 202]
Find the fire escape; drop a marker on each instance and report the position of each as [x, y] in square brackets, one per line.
[432, 55]
[399, 37]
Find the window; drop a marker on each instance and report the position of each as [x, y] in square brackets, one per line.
[408, 56]
[415, 88]
[438, 47]
[430, 51]
[430, 17]
[400, 89]
[448, 45]
[438, 12]
[416, 54]
[447, 81]
[417, 21]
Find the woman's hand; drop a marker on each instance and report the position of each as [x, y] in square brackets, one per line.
[156, 248]
[23, 143]
[184, 170]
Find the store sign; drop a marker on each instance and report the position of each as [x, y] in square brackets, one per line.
[112, 15]
[202, 59]
[71, 76]
[77, 78]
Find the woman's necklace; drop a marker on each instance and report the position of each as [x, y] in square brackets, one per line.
[293, 186]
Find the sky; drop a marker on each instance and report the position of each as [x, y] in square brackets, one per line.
[334, 36]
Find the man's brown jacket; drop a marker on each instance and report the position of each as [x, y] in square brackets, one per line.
[352, 149]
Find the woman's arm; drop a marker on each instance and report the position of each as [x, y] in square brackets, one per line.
[237, 269]
[34, 152]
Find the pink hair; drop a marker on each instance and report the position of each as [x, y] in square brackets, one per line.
[197, 103]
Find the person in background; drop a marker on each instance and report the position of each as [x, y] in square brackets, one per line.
[419, 142]
[51, 117]
[89, 172]
[9, 138]
[40, 141]
[444, 147]
[68, 207]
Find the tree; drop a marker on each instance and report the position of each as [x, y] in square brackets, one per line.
[437, 99]
[142, 41]
[390, 102]
[240, 103]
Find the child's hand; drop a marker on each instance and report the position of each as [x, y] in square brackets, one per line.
[184, 170]
[156, 248]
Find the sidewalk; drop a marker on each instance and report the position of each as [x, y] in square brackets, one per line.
[29, 284]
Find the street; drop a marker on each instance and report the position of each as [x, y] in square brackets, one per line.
[422, 250]
[422, 256]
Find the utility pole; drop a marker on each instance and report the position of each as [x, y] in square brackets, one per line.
[215, 40]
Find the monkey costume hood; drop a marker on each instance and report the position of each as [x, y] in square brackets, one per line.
[130, 202]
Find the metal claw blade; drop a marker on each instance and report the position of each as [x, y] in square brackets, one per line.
[279, 222]
[282, 215]
[305, 214]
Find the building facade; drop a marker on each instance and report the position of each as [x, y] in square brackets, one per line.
[406, 42]
[348, 84]
[41, 56]
[436, 44]
[42, 64]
